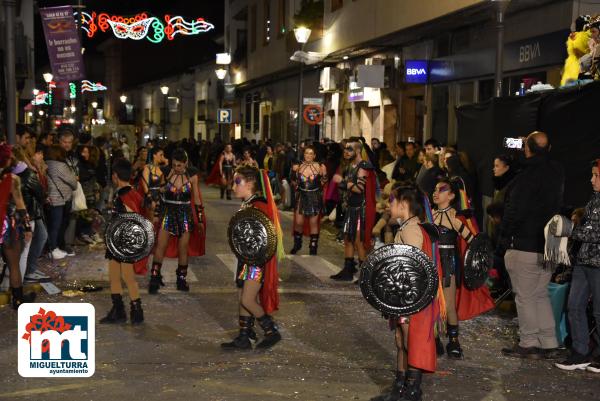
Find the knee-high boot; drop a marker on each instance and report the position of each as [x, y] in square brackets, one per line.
[347, 273]
[297, 242]
[453, 347]
[413, 391]
[181, 273]
[155, 278]
[314, 243]
[136, 312]
[247, 333]
[397, 389]
[117, 312]
[272, 335]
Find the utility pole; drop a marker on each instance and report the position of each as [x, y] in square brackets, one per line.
[501, 6]
[11, 80]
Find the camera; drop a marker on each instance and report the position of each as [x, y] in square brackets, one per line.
[513, 143]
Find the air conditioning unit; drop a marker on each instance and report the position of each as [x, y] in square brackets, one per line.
[374, 61]
[392, 77]
[331, 80]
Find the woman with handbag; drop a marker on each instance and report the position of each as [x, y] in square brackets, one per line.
[61, 184]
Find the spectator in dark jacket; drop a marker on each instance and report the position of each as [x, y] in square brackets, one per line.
[533, 198]
[431, 175]
[34, 197]
[585, 282]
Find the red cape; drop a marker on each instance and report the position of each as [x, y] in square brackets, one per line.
[214, 178]
[197, 237]
[269, 297]
[470, 303]
[5, 193]
[421, 337]
[134, 201]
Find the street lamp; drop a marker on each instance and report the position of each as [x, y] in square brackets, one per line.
[123, 98]
[94, 104]
[500, 6]
[35, 92]
[221, 73]
[302, 34]
[165, 91]
[48, 77]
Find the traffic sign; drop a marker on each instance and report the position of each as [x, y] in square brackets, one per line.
[312, 100]
[313, 114]
[224, 116]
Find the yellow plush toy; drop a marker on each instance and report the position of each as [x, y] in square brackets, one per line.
[577, 46]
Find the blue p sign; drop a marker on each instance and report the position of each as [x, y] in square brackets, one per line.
[224, 116]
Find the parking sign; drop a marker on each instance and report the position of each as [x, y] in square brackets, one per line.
[224, 116]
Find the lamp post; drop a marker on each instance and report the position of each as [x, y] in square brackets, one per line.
[223, 61]
[165, 91]
[501, 6]
[302, 34]
[48, 78]
[35, 92]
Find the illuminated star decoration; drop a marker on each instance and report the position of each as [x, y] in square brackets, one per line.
[88, 86]
[142, 26]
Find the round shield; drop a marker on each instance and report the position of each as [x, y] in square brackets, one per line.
[398, 280]
[252, 236]
[129, 237]
[479, 260]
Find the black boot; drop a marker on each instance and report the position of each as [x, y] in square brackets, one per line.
[272, 335]
[453, 347]
[19, 298]
[117, 312]
[412, 391]
[228, 194]
[222, 192]
[397, 389]
[155, 278]
[247, 333]
[347, 273]
[137, 313]
[181, 273]
[314, 243]
[439, 346]
[297, 242]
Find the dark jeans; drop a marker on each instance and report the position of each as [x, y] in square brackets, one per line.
[584, 283]
[55, 224]
[40, 236]
[65, 224]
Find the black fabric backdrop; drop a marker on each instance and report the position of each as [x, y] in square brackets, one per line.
[568, 116]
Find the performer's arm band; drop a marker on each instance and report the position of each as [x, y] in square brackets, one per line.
[24, 217]
[361, 183]
[465, 233]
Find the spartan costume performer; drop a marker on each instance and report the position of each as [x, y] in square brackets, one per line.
[182, 222]
[359, 186]
[310, 178]
[255, 238]
[129, 240]
[151, 183]
[463, 300]
[402, 281]
[14, 227]
[222, 172]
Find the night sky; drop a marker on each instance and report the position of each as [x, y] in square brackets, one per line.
[142, 60]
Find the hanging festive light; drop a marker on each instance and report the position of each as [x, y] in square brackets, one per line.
[72, 90]
[88, 86]
[142, 26]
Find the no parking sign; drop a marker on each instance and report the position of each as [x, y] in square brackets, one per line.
[313, 114]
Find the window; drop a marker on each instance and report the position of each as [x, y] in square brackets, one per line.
[336, 5]
[282, 19]
[255, 112]
[253, 31]
[267, 21]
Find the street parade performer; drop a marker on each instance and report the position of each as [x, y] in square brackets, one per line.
[15, 225]
[402, 280]
[359, 186]
[457, 230]
[182, 231]
[258, 256]
[311, 176]
[126, 202]
[151, 183]
[222, 172]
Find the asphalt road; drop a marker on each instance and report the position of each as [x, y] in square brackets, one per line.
[335, 347]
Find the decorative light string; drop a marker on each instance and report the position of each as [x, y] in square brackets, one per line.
[142, 26]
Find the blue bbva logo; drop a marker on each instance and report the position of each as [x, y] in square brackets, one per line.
[56, 340]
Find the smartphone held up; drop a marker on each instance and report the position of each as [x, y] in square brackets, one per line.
[513, 143]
